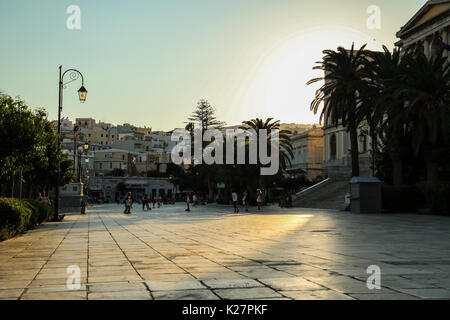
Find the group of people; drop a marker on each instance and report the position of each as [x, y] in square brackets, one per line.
[245, 200]
[195, 199]
[145, 201]
[154, 200]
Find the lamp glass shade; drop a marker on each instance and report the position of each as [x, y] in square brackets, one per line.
[82, 93]
[86, 146]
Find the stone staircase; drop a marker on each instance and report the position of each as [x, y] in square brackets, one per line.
[329, 196]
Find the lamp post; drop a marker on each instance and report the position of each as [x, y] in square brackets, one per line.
[75, 129]
[82, 93]
[81, 149]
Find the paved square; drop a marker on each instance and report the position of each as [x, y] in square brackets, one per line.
[211, 253]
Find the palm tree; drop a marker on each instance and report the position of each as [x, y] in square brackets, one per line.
[426, 86]
[383, 107]
[343, 78]
[286, 153]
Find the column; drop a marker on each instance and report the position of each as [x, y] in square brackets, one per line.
[426, 47]
[448, 42]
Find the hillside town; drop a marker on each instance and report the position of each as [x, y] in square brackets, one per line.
[106, 157]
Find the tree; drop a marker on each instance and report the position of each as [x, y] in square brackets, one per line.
[29, 146]
[286, 153]
[383, 107]
[426, 85]
[343, 78]
[204, 115]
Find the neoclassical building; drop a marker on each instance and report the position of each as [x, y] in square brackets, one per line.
[426, 27]
[308, 152]
[424, 30]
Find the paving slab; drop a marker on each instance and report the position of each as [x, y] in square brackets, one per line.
[211, 254]
[316, 295]
[247, 293]
[164, 285]
[120, 295]
[185, 295]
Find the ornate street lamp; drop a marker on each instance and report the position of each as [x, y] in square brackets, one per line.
[82, 93]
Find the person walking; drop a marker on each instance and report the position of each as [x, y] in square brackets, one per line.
[259, 198]
[234, 198]
[188, 200]
[128, 203]
[145, 203]
[159, 200]
[194, 199]
[245, 202]
[84, 203]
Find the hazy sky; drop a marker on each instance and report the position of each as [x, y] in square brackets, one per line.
[148, 62]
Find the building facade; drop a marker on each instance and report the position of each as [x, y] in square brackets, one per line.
[308, 152]
[427, 28]
[337, 163]
[111, 189]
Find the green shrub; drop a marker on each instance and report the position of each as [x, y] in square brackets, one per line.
[14, 217]
[17, 216]
[403, 198]
[41, 211]
[438, 200]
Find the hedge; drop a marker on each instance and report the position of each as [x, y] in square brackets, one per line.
[439, 199]
[404, 198]
[17, 216]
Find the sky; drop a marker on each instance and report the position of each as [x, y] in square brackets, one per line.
[148, 62]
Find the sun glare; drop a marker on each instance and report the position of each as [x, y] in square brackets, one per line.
[278, 87]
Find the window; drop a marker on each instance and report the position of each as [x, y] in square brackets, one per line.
[123, 157]
[112, 136]
[100, 165]
[101, 142]
[101, 135]
[333, 147]
[110, 165]
[89, 134]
